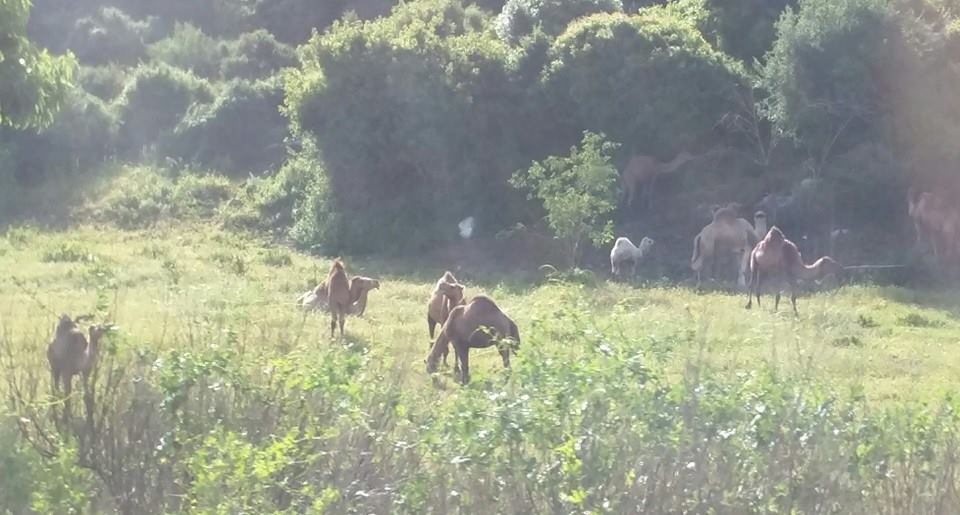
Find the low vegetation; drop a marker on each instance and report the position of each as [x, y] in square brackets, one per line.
[236, 399]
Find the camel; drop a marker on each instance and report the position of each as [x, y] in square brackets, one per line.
[447, 294]
[338, 296]
[360, 288]
[776, 256]
[478, 324]
[727, 233]
[935, 221]
[70, 352]
[642, 171]
[625, 251]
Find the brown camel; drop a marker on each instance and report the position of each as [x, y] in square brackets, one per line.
[360, 288]
[447, 294]
[727, 233]
[642, 171]
[70, 353]
[338, 296]
[478, 324]
[777, 256]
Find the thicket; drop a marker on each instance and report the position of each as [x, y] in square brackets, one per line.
[443, 102]
[248, 428]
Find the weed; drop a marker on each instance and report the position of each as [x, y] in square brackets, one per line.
[68, 252]
[277, 258]
[918, 320]
[867, 322]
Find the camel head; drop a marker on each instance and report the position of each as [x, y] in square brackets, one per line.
[774, 235]
[645, 245]
[337, 265]
[453, 291]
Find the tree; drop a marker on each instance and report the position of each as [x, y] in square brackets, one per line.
[33, 83]
[521, 18]
[826, 73]
[579, 192]
[650, 81]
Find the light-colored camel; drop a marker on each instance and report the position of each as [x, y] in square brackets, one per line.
[360, 288]
[777, 257]
[70, 353]
[338, 296]
[936, 221]
[447, 294]
[642, 171]
[624, 251]
[726, 234]
[477, 324]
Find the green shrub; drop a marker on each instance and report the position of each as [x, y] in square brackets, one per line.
[255, 55]
[657, 63]
[200, 195]
[105, 82]
[241, 132]
[521, 18]
[68, 252]
[110, 36]
[153, 102]
[136, 198]
[188, 48]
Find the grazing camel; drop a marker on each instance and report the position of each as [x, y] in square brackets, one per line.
[625, 251]
[70, 353]
[642, 171]
[338, 296]
[726, 233]
[478, 324]
[360, 288]
[779, 257]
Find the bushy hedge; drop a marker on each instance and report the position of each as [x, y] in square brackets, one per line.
[255, 55]
[111, 36]
[153, 102]
[241, 131]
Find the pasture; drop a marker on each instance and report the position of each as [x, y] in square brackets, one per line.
[210, 338]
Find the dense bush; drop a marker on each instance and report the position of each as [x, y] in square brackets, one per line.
[255, 54]
[648, 80]
[106, 82]
[822, 71]
[521, 18]
[153, 102]
[414, 103]
[111, 36]
[241, 131]
[188, 48]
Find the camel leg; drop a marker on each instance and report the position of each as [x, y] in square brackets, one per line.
[333, 321]
[431, 325]
[754, 286]
[464, 353]
[793, 295]
[341, 318]
[633, 269]
[776, 300]
[505, 354]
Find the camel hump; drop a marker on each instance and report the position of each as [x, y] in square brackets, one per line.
[448, 277]
[337, 265]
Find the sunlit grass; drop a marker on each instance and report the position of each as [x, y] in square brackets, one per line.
[166, 286]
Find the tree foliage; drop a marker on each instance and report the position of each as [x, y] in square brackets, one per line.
[522, 18]
[648, 80]
[33, 83]
[578, 192]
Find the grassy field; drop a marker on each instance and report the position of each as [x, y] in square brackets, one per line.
[622, 399]
[165, 286]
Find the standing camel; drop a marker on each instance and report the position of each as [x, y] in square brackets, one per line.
[936, 221]
[641, 173]
[338, 296]
[777, 256]
[70, 353]
[624, 251]
[478, 324]
[727, 233]
[447, 294]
